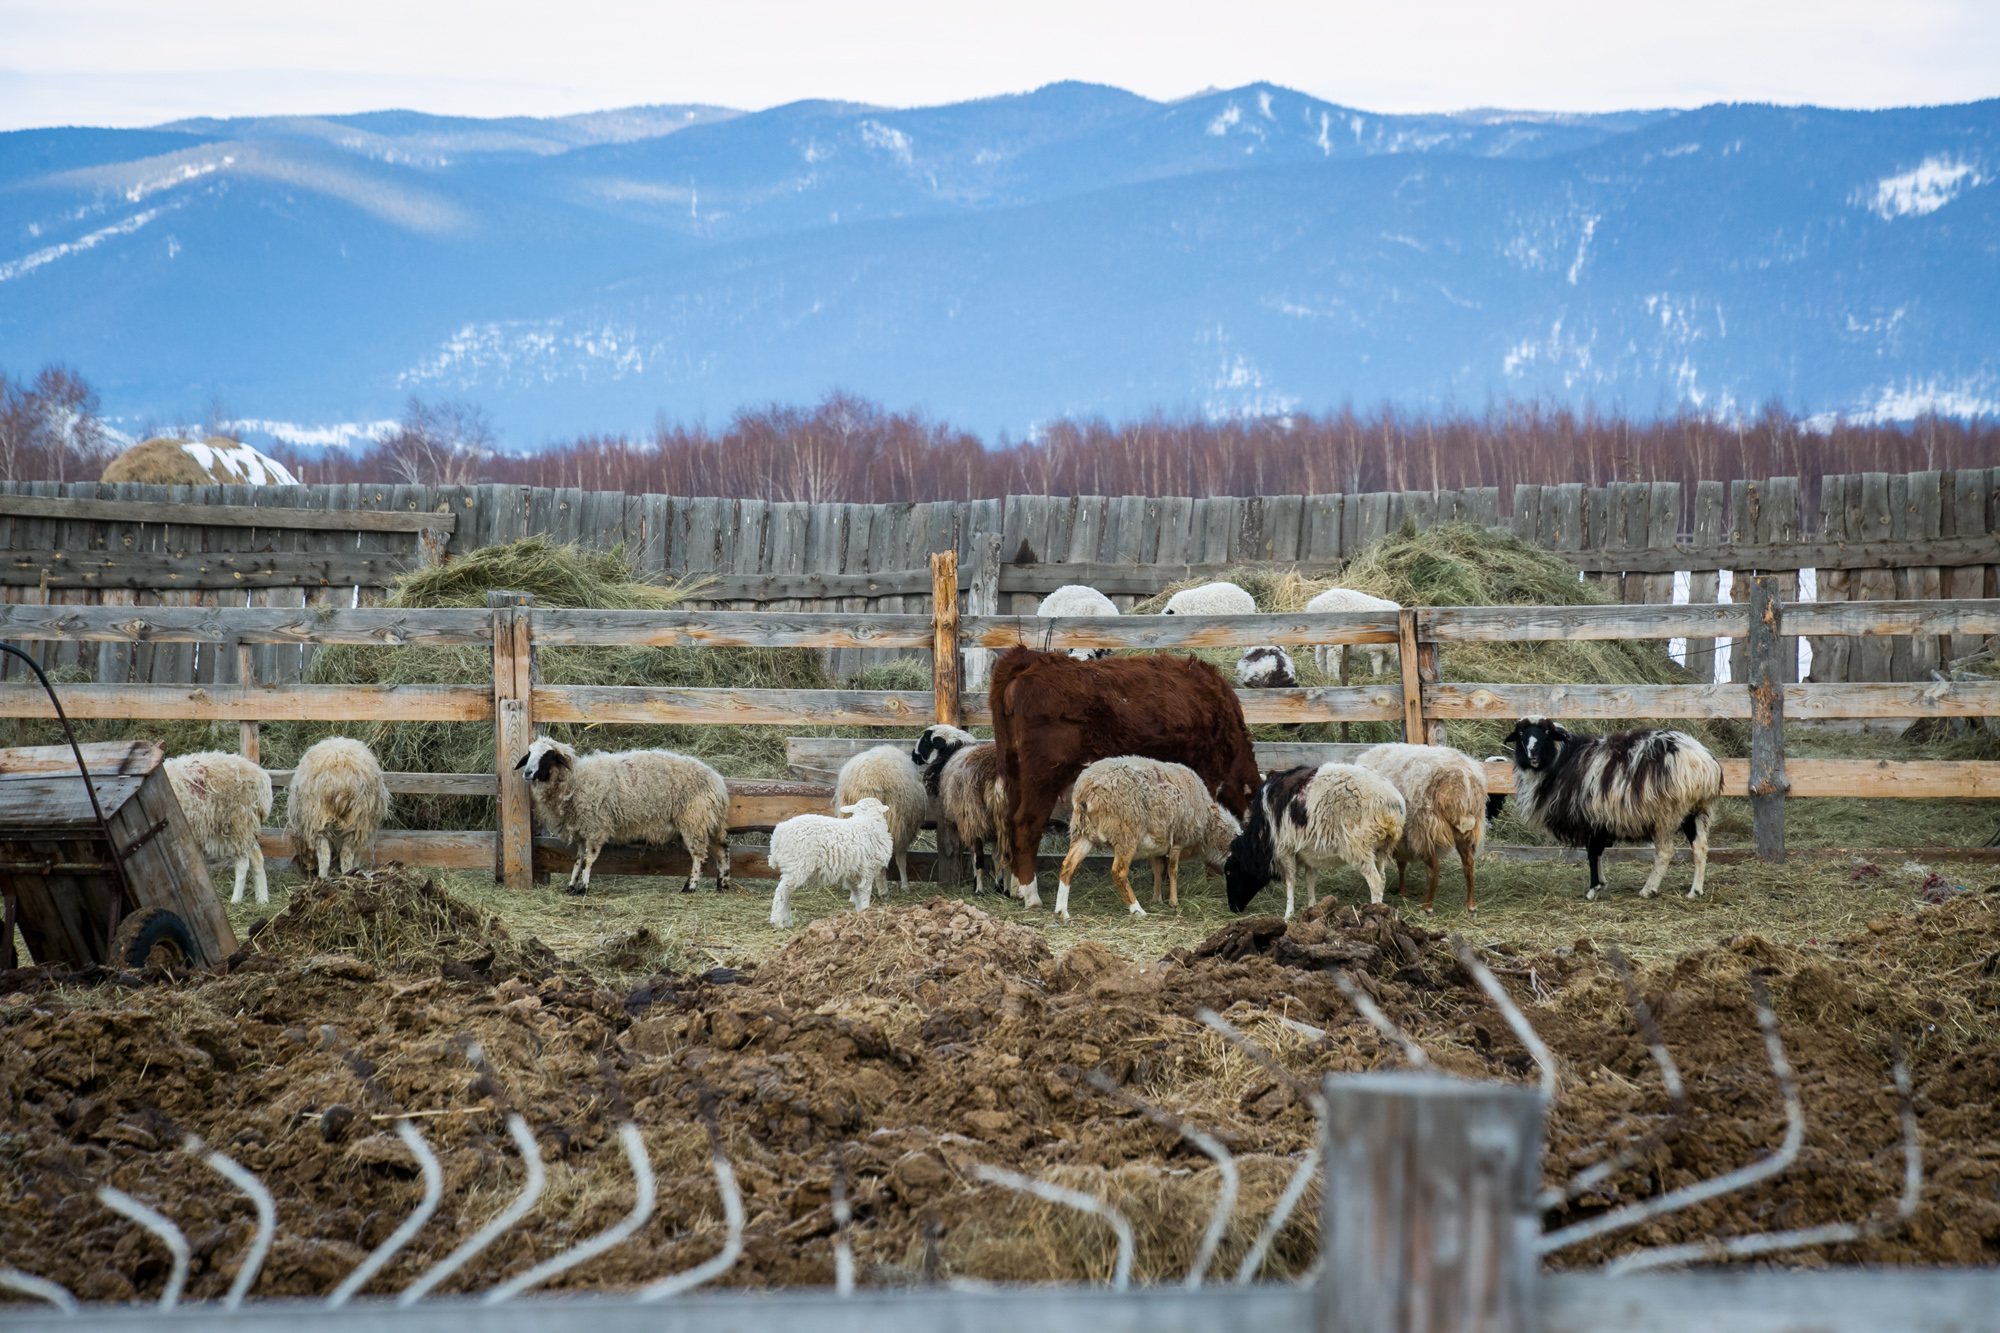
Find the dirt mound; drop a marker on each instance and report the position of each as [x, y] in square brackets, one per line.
[394, 918]
[916, 1042]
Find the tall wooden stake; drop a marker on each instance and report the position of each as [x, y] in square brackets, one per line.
[944, 637]
[513, 732]
[1428, 1217]
[246, 674]
[983, 599]
[1768, 783]
[1410, 664]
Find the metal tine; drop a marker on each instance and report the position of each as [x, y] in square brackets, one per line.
[524, 1202]
[1121, 1273]
[1516, 1020]
[1701, 1191]
[1225, 1199]
[843, 1217]
[267, 1219]
[402, 1235]
[1302, 1089]
[732, 1211]
[642, 1208]
[55, 1293]
[1591, 1177]
[1832, 1233]
[118, 1201]
[1381, 1022]
[1295, 1189]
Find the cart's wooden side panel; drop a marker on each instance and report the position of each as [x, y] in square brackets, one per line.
[168, 869]
[64, 917]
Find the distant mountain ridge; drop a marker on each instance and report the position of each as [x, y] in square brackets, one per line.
[1077, 249]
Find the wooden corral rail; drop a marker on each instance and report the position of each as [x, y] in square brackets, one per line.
[223, 516]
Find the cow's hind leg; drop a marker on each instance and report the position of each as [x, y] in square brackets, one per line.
[1026, 821]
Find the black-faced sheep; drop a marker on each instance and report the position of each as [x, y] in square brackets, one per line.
[1444, 808]
[338, 798]
[1074, 599]
[226, 799]
[889, 775]
[630, 796]
[1143, 807]
[963, 772]
[1310, 817]
[1628, 786]
[820, 849]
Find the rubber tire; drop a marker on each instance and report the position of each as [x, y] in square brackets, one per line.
[145, 930]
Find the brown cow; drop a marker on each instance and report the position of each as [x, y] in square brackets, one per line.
[1053, 715]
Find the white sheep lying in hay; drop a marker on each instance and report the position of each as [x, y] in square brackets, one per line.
[1074, 599]
[820, 849]
[337, 799]
[1143, 807]
[226, 799]
[1332, 658]
[890, 775]
[1311, 817]
[630, 796]
[1211, 599]
[1444, 804]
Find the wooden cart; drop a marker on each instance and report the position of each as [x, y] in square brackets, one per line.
[60, 881]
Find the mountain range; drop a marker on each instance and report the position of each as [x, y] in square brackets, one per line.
[1075, 250]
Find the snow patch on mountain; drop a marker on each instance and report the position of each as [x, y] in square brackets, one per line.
[1926, 188]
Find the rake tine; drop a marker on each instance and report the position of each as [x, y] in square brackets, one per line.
[39, 1287]
[642, 1208]
[843, 1216]
[1225, 1163]
[1701, 1191]
[1516, 1020]
[530, 1195]
[1590, 1177]
[1295, 1189]
[267, 1220]
[1380, 1021]
[118, 1201]
[402, 1235]
[732, 1245]
[1121, 1273]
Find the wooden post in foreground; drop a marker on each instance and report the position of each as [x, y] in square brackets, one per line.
[945, 678]
[1428, 1218]
[1768, 783]
[1410, 665]
[246, 674]
[513, 732]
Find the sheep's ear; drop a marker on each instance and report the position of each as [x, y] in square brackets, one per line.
[848, 809]
[1557, 733]
[522, 762]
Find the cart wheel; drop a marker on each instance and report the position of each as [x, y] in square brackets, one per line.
[147, 930]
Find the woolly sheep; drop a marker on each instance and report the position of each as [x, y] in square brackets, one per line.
[820, 849]
[1143, 807]
[1444, 807]
[337, 798]
[645, 796]
[1211, 599]
[1074, 599]
[1331, 658]
[1266, 668]
[889, 775]
[226, 799]
[1311, 817]
[1593, 791]
[963, 772]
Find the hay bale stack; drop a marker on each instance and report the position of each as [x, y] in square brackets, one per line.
[214, 462]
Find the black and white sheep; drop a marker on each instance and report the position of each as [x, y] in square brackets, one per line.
[1267, 667]
[1628, 786]
[642, 796]
[963, 772]
[1306, 818]
[1074, 599]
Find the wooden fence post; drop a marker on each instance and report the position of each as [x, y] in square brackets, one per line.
[1428, 1217]
[513, 732]
[246, 674]
[1410, 664]
[983, 599]
[1768, 784]
[944, 637]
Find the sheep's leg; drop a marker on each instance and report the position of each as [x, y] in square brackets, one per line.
[781, 901]
[579, 875]
[350, 855]
[1401, 891]
[257, 874]
[697, 842]
[718, 852]
[1371, 871]
[1596, 852]
[1663, 854]
[1698, 839]
[1465, 864]
[1158, 864]
[1290, 870]
[1079, 847]
[242, 873]
[1173, 879]
[902, 871]
[864, 888]
[978, 869]
[1430, 880]
[325, 850]
[1121, 875]
[1312, 884]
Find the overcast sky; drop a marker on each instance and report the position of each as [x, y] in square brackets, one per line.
[139, 62]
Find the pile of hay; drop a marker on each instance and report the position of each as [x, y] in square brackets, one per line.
[394, 918]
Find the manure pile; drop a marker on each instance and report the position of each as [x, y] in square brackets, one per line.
[918, 1042]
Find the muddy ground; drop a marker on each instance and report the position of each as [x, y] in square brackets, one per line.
[916, 1042]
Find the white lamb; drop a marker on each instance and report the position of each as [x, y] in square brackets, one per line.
[1074, 599]
[226, 799]
[888, 774]
[1211, 599]
[642, 796]
[337, 799]
[1306, 818]
[1331, 658]
[820, 849]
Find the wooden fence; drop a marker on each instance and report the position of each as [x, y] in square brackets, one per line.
[515, 702]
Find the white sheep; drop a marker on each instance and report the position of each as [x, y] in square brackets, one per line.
[226, 799]
[338, 798]
[1331, 658]
[1311, 817]
[642, 796]
[1267, 667]
[1444, 805]
[891, 776]
[820, 849]
[1074, 599]
[1143, 807]
[1211, 599]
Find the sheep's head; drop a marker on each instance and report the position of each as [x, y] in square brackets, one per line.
[940, 742]
[544, 759]
[1537, 743]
